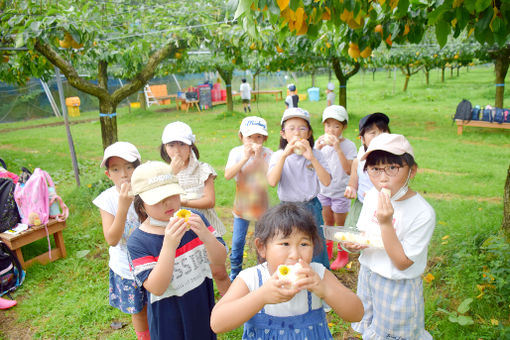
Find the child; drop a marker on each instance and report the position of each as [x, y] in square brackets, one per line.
[298, 169]
[119, 220]
[197, 180]
[292, 99]
[171, 257]
[339, 153]
[248, 164]
[330, 94]
[370, 126]
[245, 91]
[389, 281]
[273, 308]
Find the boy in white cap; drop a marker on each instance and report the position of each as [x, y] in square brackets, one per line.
[389, 280]
[171, 256]
[248, 164]
[339, 153]
[119, 219]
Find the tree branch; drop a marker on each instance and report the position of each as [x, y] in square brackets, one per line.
[147, 72]
[69, 71]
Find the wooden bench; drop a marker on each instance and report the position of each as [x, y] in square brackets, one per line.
[277, 93]
[479, 123]
[32, 234]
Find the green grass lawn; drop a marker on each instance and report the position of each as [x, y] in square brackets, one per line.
[461, 176]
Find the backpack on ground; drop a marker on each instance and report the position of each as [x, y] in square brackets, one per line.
[499, 116]
[11, 273]
[463, 111]
[487, 114]
[9, 215]
[35, 197]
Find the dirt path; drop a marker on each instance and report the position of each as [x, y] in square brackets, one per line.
[73, 122]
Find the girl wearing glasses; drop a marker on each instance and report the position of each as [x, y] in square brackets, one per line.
[298, 169]
[389, 280]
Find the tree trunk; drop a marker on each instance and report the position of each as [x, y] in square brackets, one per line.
[451, 71]
[458, 69]
[227, 78]
[406, 82]
[108, 120]
[506, 206]
[342, 79]
[427, 73]
[373, 73]
[442, 73]
[313, 78]
[501, 63]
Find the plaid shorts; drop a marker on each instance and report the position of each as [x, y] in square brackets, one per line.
[394, 309]
[126, 295]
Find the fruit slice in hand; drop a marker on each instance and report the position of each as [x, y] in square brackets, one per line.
[299, 148]
[288, 272]
[386, 191]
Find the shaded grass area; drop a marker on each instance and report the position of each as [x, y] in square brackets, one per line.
[461, 176]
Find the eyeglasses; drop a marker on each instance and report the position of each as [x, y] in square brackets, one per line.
[293, 129]
[391, 170]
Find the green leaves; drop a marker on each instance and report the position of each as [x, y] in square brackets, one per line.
[442, 32]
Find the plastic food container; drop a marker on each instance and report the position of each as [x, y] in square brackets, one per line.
[346, 234]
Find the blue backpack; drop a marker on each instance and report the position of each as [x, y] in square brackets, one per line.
[475, 114]
[498, 116]
[487, 114]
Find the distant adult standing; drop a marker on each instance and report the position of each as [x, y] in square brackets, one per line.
[330, 94]
[292, 99]
[245, 90]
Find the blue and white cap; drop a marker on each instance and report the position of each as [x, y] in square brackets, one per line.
[252, 125]
[295, 112]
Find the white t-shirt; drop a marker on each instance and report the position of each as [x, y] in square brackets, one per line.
[245, 90]
[339, 178]
[237, 153]
[108, 201]
[364, 182]
[330, 97]
[297, 305]
[414, 221]
[299, 181]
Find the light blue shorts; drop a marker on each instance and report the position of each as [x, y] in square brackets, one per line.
[394, 309]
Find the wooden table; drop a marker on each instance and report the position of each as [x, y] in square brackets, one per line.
[186, 103]
[277, 93]
[479, 123]
[32, 234]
